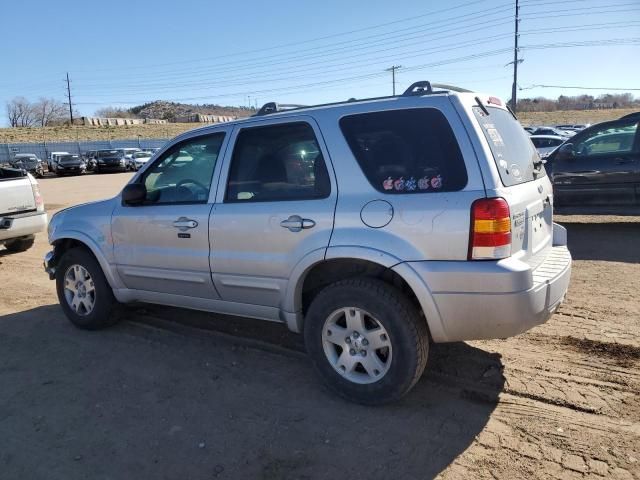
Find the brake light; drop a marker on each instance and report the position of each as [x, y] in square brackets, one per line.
[37, 197]
[490, 231]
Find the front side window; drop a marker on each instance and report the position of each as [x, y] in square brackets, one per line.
[277, 163]
[611, 139]
[406, 151]
[183, 174]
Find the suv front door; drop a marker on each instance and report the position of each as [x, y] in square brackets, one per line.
[604, 169]
[162, 245]
[275, 206]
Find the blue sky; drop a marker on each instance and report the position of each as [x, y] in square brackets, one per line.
[124, 53]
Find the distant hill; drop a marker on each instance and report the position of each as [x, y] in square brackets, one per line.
[172, 110]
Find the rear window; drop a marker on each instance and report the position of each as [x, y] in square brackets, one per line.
[406, 151]
[512, 149]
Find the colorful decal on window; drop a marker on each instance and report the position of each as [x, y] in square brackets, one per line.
[436, 182]
[410, 184]
[423, 183]
[388, 184]
[399, 184]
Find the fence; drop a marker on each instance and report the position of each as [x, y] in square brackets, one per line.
[43, 149]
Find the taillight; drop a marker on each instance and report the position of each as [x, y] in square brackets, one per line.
[490, 230]
[37, 197]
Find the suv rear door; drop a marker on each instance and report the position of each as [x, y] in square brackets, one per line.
[604, 168]
[275, 205]
[524, 183]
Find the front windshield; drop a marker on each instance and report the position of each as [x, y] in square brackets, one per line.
[68, 159]
[107, 153]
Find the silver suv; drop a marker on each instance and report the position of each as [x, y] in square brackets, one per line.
[371, 226]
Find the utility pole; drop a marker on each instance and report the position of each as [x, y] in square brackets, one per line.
[514, 87]
[393, 69]
[69, 96]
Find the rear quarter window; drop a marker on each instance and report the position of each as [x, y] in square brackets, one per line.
[511, 147]
[406, 151]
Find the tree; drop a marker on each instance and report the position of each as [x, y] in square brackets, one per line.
[20, 112]
[48, 111]
[114, 112]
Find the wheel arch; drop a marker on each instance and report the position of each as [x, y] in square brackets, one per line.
[73, 239]
[317, 270]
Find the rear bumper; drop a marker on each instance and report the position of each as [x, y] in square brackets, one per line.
[484, 300]
[15, 226]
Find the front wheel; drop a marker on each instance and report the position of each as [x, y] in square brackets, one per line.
[366, 340]
[83, 291]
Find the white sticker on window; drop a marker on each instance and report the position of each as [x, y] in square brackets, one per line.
[495, 137]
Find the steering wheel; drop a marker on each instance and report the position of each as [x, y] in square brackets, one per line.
[189, 180]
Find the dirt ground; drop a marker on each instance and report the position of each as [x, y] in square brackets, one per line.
[172, 394]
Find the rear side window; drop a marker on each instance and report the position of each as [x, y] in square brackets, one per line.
[512, 149]
[406, 151]
[277, 163]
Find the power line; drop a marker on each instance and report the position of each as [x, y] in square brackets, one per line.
[617, 89]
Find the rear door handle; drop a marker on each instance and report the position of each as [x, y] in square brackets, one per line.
[184, 223]
[295, 223]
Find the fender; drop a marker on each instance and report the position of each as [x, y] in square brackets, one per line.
[425, 297]
[110, 273]
[292, 302]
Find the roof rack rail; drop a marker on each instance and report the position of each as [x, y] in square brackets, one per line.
[418, 88]
[426, 88]
[451, 88]
[273, 107]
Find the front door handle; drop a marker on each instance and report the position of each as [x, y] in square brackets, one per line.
[295, 223]
[184, 223]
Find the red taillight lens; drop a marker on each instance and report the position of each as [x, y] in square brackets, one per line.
[490, 230]
[36, 196]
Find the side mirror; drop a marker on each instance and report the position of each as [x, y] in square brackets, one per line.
[134, 194]
[565, 152]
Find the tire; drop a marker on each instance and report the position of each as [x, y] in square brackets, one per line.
[405, 332]
[20, 244]
[104, 312]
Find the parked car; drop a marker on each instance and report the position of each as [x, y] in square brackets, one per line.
[53, 159]
[29, 162]
[22, 212]
[598, 170]
[442, 231]
[70, 165]
[530, 130]
[545, 144]
[110, 160]
[552, 131]
[139, 159]
[128, 152]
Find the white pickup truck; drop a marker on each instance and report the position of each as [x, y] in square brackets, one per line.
[22, 212]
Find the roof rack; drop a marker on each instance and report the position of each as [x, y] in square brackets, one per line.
[273, 107]
[418, 88]
[426, 88]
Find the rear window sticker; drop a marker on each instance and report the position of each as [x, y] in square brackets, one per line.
[410, 184]
[495, 137]
[423, 183]
[436, 182]
[399, 184]
[388, 184]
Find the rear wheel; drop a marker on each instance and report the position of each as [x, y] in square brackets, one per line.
[20, 244]
[366, 340]
[83, 291]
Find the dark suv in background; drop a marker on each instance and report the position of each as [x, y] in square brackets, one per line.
[598, 170]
